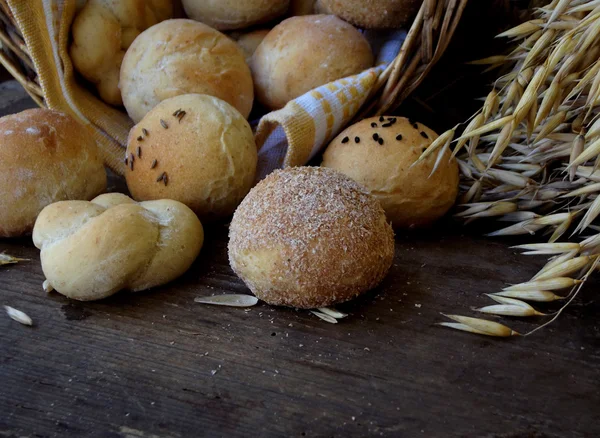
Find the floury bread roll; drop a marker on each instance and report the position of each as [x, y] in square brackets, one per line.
[302, 53]
[310, 237]
[103, 30]
[372, 13]
[45, 156]
[234, 14]
[196, 149]
[180, 57]
[382, 160]
[91, 250]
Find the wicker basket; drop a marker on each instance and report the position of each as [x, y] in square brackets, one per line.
[426, 41]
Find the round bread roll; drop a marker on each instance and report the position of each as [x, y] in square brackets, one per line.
[234, 14]
[302, 53]
[249, 41]
[45, 156]
[91, 250]
[309, 237]
[180, 57]
[196, 149]
[382, 160]
[372, 13]
[102, 32]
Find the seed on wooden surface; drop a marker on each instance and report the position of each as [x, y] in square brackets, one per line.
[509, 310]
[6, 259]
[231, 300]
[334, 313]
[324, 316]
[549, 248]
[18, 316]
[567, 268]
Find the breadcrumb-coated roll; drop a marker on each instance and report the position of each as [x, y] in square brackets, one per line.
[310, 237]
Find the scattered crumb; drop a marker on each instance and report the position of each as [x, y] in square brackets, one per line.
[418, 305]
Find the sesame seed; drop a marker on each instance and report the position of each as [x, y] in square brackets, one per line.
[356, 139]
[345, 140]
[164, 124]
[373, 125]
[399, 137]
[424, 135]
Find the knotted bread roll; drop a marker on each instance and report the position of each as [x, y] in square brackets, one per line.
[91, 250]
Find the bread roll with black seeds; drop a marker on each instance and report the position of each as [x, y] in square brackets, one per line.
[180, 57]
[195, 149]
[302, 53]
[45, 156]
[310, 237]
[382, 163]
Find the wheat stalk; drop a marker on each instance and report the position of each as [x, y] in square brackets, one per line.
[531, 155]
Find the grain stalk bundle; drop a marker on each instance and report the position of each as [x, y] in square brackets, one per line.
[530, 157]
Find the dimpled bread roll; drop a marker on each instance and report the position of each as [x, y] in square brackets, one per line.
[45, 156]
[302, 53]
[234, 14]
[196, 149]
[372, 13]
[103, 30]
[382, 163]
[310, 237]
[91, 250]
[180, 57]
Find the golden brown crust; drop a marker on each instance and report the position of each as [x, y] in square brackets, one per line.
[409, 195]
[204, 149]
[372, 13]
[249, 41]
[309, 237]
[103, 30]
[182, 56]
[45, 156]
[234, 14]
[302, 53]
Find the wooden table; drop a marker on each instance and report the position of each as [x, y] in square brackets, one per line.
[156, 364]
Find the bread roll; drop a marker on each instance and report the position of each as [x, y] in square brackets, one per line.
[180, 57]
[91, 250]
[309, 237]
[301, 7]
[103, 30]
[249, 41]
[196, 149]
[302, 53]
[382, 160]
[234, 14]
[372, 13]
[45, 156]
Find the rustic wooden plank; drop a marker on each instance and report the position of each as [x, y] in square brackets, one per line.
[157, 363]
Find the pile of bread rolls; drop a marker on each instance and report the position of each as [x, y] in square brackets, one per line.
[305, 237]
